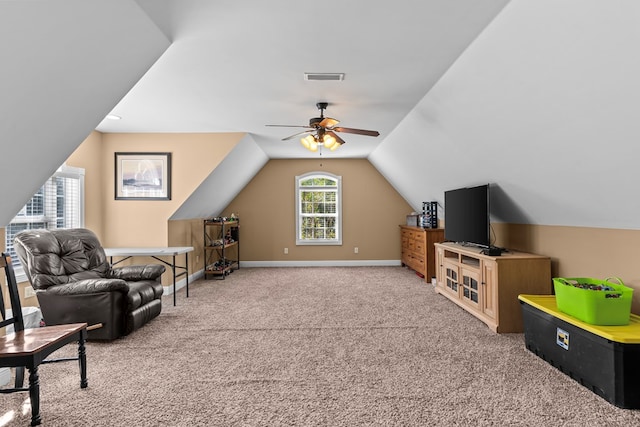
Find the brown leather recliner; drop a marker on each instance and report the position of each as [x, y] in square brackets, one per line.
[74, 282]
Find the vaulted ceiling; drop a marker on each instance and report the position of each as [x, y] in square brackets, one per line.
[537, 97]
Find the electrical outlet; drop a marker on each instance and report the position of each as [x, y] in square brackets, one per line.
[355, 250]
[197, 259]
[29, 292]
[286, 251]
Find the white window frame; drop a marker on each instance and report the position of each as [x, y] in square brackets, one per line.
[338, 214]
[76, 204]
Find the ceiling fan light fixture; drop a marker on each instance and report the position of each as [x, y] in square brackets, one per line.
[309, 142]
[306, 141]
[322, 131]
[329, 142]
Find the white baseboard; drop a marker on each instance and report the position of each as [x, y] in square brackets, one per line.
[168, 289]
[327, 263]
[182, 283]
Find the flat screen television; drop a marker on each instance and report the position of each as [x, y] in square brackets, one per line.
[466, 216]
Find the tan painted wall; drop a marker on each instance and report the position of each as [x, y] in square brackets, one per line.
[188, 233]
[579, 251]
[89, 156]
[146, 223]
[372, 211]
[194, 157]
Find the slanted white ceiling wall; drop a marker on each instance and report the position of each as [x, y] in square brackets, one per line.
[544, 104]
[56, 86]
[225, 182]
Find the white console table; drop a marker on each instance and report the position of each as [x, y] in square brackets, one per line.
[156, 253]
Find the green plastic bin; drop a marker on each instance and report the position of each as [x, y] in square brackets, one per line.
[596, 307]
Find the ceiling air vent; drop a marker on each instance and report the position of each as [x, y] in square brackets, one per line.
[324, 76]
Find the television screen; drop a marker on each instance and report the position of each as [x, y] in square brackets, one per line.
[466, 215]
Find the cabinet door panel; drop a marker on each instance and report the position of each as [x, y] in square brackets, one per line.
[490, 291]
[451, 278]
[471, 292]
[440, 275]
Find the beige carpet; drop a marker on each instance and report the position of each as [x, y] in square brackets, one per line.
[370, 346]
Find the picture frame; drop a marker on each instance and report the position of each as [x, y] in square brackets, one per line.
[142, 176]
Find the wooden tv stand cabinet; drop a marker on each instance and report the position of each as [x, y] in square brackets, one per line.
[488, 286]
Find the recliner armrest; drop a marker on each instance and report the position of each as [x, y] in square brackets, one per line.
[137, 272]
[89, 286]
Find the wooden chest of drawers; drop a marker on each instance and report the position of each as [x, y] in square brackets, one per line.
[418, 252]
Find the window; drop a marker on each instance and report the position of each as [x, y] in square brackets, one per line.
[59, 203]
[318, 209]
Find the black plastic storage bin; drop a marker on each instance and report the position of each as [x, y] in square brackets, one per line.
[605, 359]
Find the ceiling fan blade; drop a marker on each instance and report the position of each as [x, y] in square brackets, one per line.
[297, 134]
[328, 122]
[357, 131]
[289, 126]
[338, 139]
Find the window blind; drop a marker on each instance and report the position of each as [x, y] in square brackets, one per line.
[59, 203]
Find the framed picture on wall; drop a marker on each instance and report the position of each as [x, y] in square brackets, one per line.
[143, 176]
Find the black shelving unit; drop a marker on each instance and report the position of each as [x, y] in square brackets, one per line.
[221, 247]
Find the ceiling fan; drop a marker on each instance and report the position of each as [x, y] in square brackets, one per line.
[322, 131]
